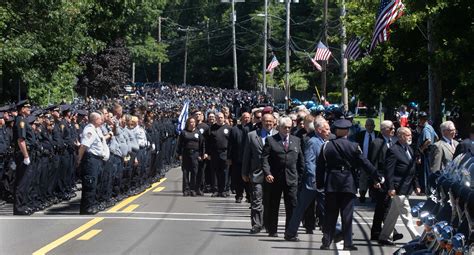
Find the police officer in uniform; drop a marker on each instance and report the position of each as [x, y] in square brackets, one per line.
[91, 155]
[336, 174]
[24, 138]
[4, 148]
[218, 141]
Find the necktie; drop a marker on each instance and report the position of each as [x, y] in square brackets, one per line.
[285, 143]
[408, 152]
[389, 143]
[370, 139]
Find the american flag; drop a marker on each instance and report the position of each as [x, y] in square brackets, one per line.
[389, 11]
[322, 53]
[273, 64]
[353, 50]
[315, 63]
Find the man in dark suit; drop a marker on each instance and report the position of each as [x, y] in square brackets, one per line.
[364, 138]
[252, 169]
[400, 175]
[283, 165]
[466, 145]
[378, 150]
[336, 165]
[235, 151]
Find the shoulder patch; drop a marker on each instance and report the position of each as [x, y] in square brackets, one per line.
[89, 135]
[22, 124]
[201, 130]
[226, 131]
[196, 135]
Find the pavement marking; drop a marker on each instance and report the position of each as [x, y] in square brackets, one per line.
[130, 208]
[340, 249]
[129, 200]
[89, 235]
[159, 189]
[67, 236]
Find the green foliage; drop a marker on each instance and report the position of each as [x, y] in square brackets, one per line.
[298, 81]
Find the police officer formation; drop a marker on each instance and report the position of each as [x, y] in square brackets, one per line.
[320, 161]
[111, 151]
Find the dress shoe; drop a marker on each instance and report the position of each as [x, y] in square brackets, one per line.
[272, 234]
[255, 230]
[185, 194]
[386, 243]
[350, 248]
[22, 212]
[222, 194]
[338, 237]
[309, 231]
[199, 193]
[192, 193]
[397, 236]
[292, 238]
[215, 194]
[90, 211]
[324, 247]
[374, 237]
[2, 202]
[238, 200]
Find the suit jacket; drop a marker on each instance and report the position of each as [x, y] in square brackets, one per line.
[284, 165]
[400, 171]
[333, 174]
[443, 153]
[235, 147]
[312, 147]
[377, 151]
[252, 158]
[359, 138]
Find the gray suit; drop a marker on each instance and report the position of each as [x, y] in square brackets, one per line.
[252, 167]
[442, 154]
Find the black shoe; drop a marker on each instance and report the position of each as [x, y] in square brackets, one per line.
[199, 193]
[397, 236]
[338, 237]
[374, 237]
[255, 230]
[90, 211]
[222, 194]
[22, 212]
[292, 238]
[185, 194]
[273, 234]
[386, 243]
[350, 248]
[192, 193]
[309, 231]
[238, 200]
[215, 194]
[324, 247]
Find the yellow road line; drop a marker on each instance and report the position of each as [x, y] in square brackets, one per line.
[129, 200]
[130, 208]
[67, 237]
[89, 235]
[159, 189]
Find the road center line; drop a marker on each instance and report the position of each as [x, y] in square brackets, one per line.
[133, 198]
[89, 235]
[67, 236]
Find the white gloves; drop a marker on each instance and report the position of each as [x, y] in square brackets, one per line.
[26, 161]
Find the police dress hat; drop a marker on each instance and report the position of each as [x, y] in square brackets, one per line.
[23, 103]
[342, 124]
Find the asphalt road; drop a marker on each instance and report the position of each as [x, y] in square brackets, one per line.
[162, 221]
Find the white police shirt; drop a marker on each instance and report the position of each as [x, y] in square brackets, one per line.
[92, 138]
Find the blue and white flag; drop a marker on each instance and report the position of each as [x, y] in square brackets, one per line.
[183, 116]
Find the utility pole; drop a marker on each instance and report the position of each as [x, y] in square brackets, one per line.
[133, 72]
[264, 68]
[234, 17]
[185, 56]
[287, 50]
[434, 82]
[159, 42]
[345, 96]
[325, 41]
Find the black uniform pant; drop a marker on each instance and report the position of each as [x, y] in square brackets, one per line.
[237, 182]
[189, 167]
[24, 175]
[117, 163]
[274, 196]
[91, 168]
[338, 203]
[219, 173]
[104, 186]
[200, 181]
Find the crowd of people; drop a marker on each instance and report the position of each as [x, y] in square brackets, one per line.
[319, 160]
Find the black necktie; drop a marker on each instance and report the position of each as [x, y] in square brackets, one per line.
[370, 139]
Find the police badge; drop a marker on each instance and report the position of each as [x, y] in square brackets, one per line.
[226, 131]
